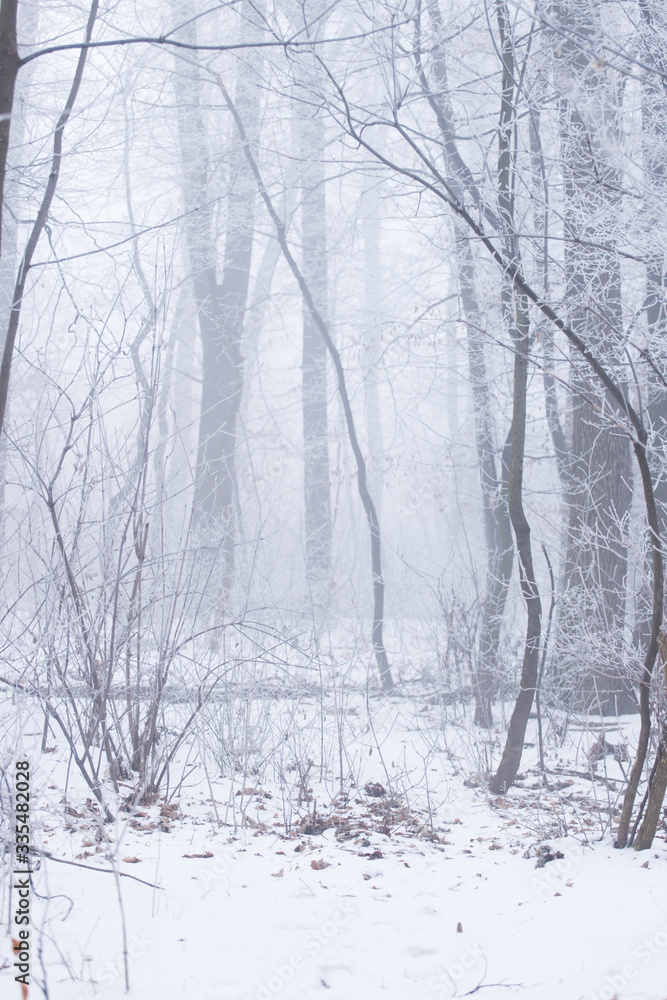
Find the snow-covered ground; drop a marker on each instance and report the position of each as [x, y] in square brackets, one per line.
[406, 882]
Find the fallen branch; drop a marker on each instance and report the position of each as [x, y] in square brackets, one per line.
[93, 868]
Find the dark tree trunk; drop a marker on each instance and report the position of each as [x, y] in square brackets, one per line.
[654, 121]
[9, 67]
[511, 758]
[42, 216]
[519, 326]
[593, 607]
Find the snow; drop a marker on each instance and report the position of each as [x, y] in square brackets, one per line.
[445, 904]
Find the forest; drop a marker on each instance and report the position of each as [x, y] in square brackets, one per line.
[333, 499]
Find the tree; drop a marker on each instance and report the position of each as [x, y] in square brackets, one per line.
[9, 67]
[220, 305]
[316, 477]
[47, 199]
[600, 494]
[494, 484]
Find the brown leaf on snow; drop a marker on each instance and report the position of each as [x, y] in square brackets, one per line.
[171, 812]
[373, 856]
[207, 854]
[131, 861]
[319, 865]
[459, 928]
[278, 874]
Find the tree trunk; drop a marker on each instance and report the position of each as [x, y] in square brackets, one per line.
[220, 312]
[9, 67]
[593, 607]
[9, 228]
[644, 839]
[654, 122]
[42, 217]
[497, 527]
[317, 498]
[371, 343]
[520, 330]
[511, 758]
[379, 649]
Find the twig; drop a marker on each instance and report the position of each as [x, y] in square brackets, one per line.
[93, 868]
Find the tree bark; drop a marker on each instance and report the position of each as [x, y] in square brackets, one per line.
[497, 526]
[9, 67]
[592, 611]
[41, 219]
[654, 122]
[520, 330]
[511, 758]
[317, 496]
[220, 313]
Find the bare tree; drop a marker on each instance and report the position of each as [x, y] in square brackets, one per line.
[600, 494]
[313, 139]
[220, 302]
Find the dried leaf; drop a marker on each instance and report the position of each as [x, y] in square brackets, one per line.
[131, 861]
[171, 812]
[278, 874]
[318, 865]
[207, 854]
